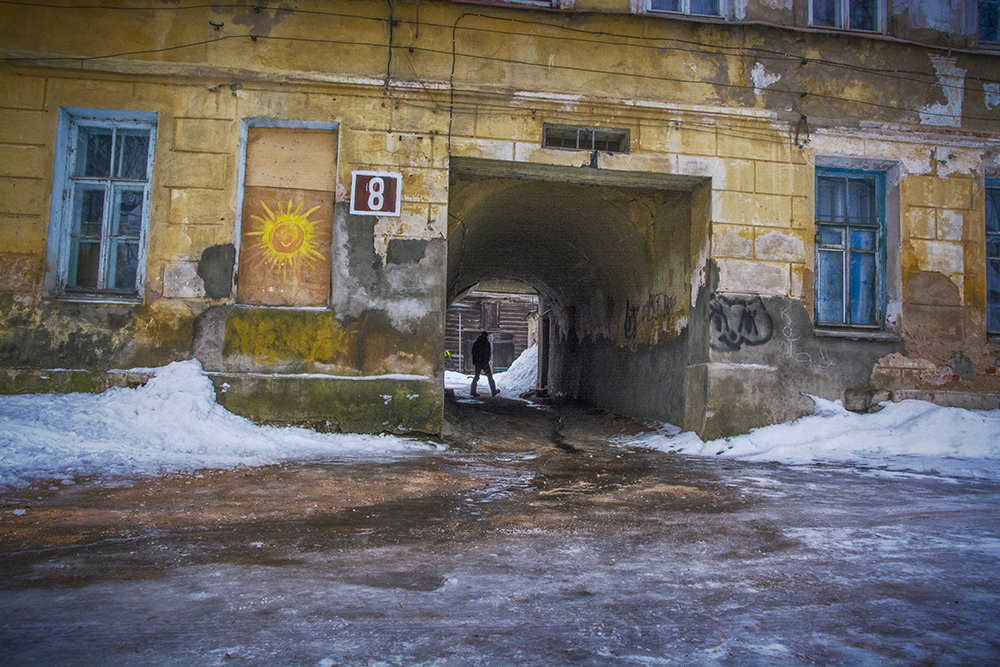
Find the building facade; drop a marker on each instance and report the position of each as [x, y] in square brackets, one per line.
[724, 205]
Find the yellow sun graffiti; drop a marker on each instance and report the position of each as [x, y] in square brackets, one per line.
[286, 237]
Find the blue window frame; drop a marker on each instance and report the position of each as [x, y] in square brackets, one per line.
[690, 7]
[101, 198]
[859, 15]
[850, 248]
[993, 255]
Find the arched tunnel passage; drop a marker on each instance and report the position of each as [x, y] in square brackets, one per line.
[617, 259]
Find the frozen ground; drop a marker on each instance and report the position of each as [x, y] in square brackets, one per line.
[149, 526]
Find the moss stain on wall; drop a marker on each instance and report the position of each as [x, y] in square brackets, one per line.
[269, 336]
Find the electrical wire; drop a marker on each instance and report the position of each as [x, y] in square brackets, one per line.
[454, 53]
[717, 49]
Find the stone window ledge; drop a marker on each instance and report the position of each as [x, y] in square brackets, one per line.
[858, 334]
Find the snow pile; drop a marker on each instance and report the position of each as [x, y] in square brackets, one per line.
[909, 435]
[522, 374]
[172, 423]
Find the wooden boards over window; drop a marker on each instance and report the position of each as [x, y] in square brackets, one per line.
[288, 196]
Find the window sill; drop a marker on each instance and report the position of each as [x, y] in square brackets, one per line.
[98, 298]
[858, 334]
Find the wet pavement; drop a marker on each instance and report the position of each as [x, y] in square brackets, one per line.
[529, 539]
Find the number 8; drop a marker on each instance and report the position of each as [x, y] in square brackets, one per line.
[376, 193]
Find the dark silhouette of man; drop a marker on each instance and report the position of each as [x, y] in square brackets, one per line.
[481, 353]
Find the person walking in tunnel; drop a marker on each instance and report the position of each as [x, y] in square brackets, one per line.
[481, 352]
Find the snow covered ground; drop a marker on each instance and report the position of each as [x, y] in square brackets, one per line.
[173, 424]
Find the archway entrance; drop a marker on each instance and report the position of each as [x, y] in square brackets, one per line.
[617, 259]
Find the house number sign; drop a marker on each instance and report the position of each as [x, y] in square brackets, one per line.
[376, 192]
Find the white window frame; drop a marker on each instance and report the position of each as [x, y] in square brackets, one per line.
[685, 10]
[71, 119]
[844, 18]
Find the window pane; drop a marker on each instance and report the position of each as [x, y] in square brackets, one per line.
[993, 296]
[830, 196]
[989, 20]
[665, 5]
[132, 153]
[863, 15]
[824, 13]
[705, 7]
[993, 209]
[84, 262]
[830, 286]
[93, 152]
[863, 239]
[128, 214]
[863, 287]
[88, 212]
[861, 200]
[125, 256]
[831, 236]
[993, 247]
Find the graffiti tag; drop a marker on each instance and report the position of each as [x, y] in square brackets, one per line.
[657, 307]
[738, 321]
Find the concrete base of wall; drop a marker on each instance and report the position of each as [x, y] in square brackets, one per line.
[352, 405]
[950, 399]
[66, 381]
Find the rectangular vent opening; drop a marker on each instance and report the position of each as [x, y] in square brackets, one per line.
[585, 138]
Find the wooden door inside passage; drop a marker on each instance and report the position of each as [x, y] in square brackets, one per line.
[287, 224]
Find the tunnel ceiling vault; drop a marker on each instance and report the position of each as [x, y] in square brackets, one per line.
[570, 233]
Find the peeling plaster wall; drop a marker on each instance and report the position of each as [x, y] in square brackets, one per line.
[739, 135]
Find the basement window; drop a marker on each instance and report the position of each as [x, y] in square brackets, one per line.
[585, 138]
[993, 255]
[689, 7]
[857, 15]
[850, 283]
[101, 195]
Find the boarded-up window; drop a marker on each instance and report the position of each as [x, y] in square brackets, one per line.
[291, 177]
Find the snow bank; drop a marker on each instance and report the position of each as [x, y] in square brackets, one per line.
[522, 374]
[909, 435]
[172, 423]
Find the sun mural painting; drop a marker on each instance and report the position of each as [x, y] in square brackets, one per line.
[287, 239]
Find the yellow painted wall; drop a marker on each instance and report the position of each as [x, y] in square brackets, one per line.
[474, 81]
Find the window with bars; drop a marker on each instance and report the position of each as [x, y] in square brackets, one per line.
[993, 256]
[106, 161]
[850, 248]
[860, 15]
[585, 138]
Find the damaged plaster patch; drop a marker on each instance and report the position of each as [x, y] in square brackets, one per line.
[761, 79]
[951, 77]
[992, 91]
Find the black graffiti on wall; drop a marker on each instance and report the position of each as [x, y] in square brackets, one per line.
[658, 306]
[739, 320]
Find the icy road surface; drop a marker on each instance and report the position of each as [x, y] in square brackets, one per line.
[531, 541]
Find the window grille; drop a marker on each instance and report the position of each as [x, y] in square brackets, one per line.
[585, 139]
